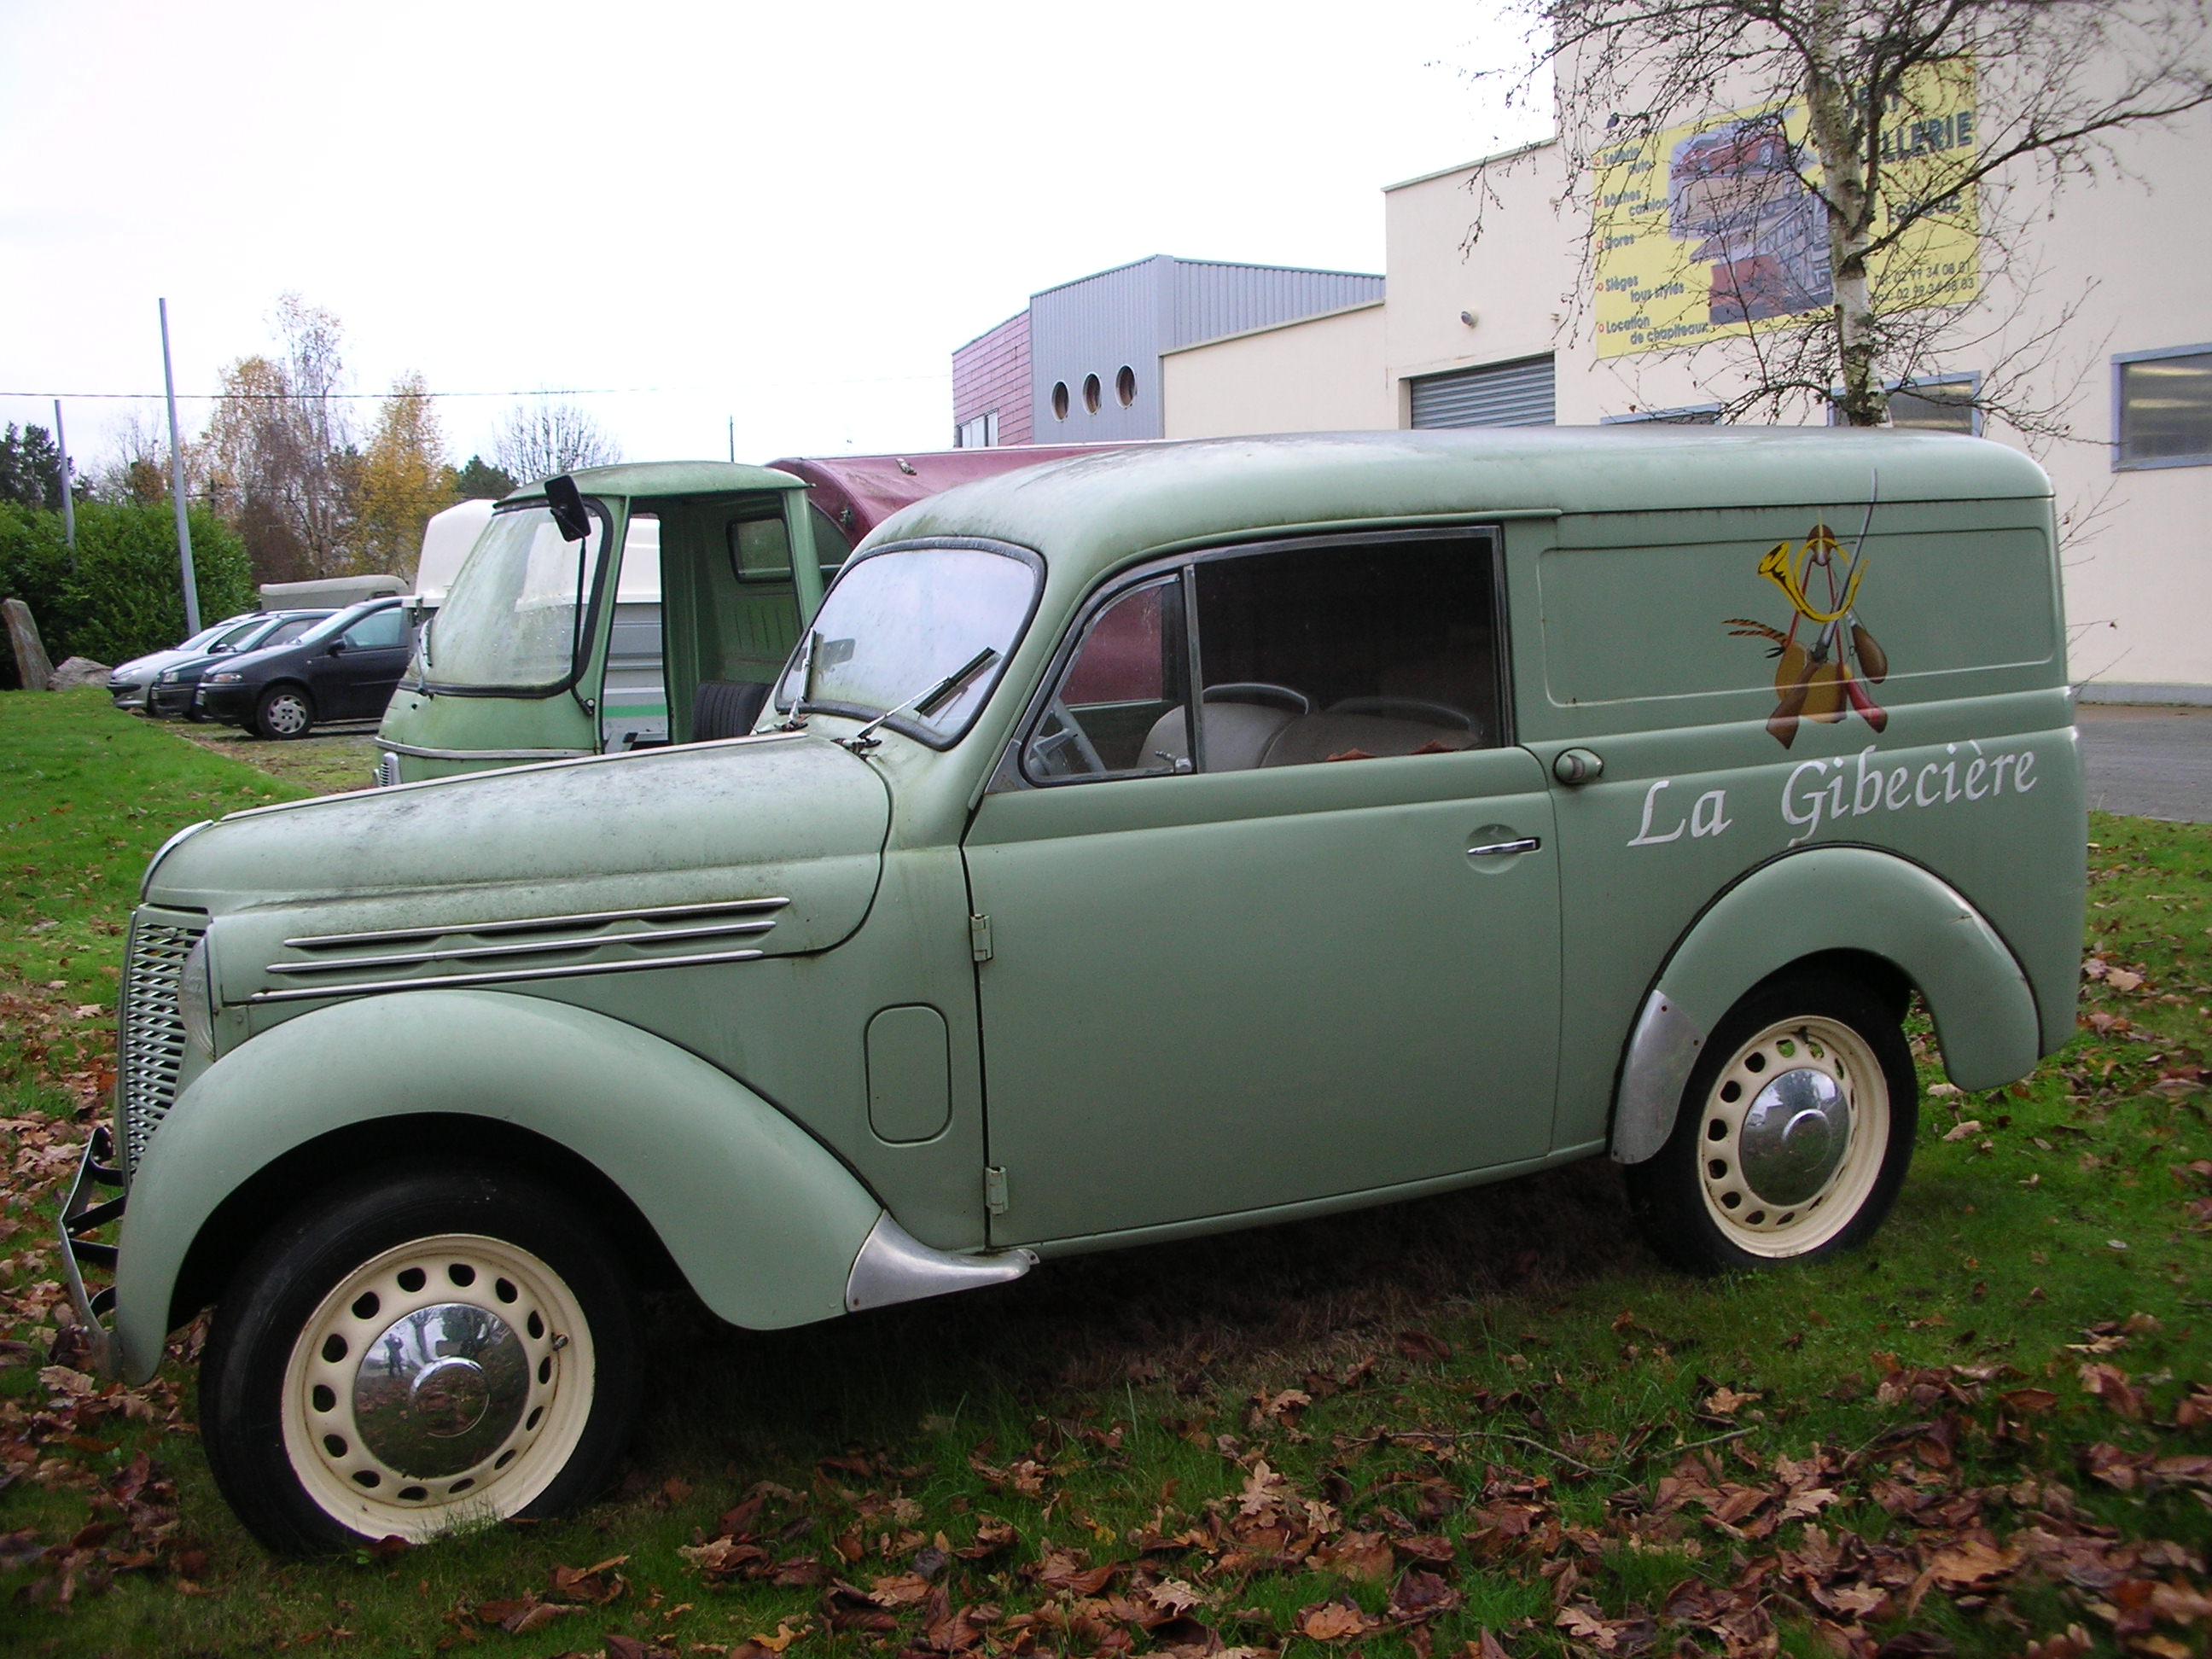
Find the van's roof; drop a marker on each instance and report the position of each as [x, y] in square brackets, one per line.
[667, 478]
[1093, 510]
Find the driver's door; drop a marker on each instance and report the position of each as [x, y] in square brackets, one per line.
[1307, 949]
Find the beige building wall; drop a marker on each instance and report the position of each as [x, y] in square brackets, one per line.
[1324, 373]
[2121, 264]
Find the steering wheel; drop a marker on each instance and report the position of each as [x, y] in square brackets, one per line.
[1059, 748]
[1408, 709]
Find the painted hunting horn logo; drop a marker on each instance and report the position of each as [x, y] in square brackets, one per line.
[1817, 681]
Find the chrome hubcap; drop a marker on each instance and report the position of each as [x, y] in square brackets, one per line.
[1794, 1136]
[286, 714]
[443, 1383]
[440, 1389]
[1795, 1131]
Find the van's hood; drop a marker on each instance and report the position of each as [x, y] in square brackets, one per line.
[787, 831]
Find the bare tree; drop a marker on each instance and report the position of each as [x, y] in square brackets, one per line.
[1841, 150]
[548, 436]
[281, 449]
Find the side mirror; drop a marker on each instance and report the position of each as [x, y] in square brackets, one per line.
[566, 502]
[337, 647]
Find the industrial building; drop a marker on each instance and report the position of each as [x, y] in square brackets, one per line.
[1082, 364]
[1501, 328]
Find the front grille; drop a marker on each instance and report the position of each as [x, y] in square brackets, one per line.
[152, 1033]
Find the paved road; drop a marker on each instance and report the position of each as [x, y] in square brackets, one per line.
[2148, 762]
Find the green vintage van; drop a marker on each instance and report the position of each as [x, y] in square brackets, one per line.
[1152, 843]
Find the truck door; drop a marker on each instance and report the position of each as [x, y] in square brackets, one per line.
[1314, 951]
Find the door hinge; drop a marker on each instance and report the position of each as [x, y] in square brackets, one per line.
[979, 938]
[994, 1189]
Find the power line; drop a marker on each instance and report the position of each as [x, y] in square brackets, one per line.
[533, 392]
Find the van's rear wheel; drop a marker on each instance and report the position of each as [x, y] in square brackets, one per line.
[1794, 1134]
[422, 1353]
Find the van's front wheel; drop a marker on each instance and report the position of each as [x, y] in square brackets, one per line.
[422, 1353]
[1794, 1135]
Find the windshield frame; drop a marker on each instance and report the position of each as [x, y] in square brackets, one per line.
[588, 635]
[992, 676]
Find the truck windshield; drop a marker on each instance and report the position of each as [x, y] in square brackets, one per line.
[514, 617]
[898, 622]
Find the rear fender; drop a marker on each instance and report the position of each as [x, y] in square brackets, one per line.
[760, 1219]
[1811, 904]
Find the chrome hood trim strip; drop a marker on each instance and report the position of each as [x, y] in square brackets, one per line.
[535, 947]
[507, 976]
[534, 924]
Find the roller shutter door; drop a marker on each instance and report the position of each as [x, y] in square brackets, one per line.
[1496, 394]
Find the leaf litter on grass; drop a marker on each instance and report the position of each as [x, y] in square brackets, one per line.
[1431, 1428]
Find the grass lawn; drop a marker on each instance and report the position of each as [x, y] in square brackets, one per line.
[1483, 1423]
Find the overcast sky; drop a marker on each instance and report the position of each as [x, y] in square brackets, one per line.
[789, 216]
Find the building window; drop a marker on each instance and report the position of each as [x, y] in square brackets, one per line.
[1060, 400]
[1092, 395]
[981, 433]
[1125, 386]
[1945, 404]
[1517, 393]
[2162, 408]
[1689, 415]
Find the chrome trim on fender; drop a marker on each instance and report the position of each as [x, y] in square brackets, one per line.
[508, 977]
[146, 881]
[528, 924]
[894, 1266]
[415, 752]
[1660, 1054]
[535, 947]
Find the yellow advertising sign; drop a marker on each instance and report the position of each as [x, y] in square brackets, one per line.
[1708, 230]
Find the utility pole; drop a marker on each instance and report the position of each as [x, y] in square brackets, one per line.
[69, 505]
[733, 437]
[177, 486]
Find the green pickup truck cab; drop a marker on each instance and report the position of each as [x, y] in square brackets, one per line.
[1152, 843]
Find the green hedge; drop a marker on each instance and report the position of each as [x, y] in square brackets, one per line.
[118, 597]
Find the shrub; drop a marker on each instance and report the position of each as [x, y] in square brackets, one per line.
[118, 595]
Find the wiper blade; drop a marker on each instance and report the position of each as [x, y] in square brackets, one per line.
[928, 703]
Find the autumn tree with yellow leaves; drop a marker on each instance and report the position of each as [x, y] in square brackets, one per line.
[402, 479]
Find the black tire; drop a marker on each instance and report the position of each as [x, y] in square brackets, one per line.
[1700, 1200]
[553, 1406]
[284, 711]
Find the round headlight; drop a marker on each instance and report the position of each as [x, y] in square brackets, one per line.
[196, 999]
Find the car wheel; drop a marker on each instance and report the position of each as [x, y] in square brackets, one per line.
[284, 711]
[1794, 1134]
[421, 1354]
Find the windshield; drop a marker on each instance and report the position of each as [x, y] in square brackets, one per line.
[209, 636]
[899, 621]
[515, 614]
[240, 637]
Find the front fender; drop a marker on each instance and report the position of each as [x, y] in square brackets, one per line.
[1823, 900]
[762, 1220]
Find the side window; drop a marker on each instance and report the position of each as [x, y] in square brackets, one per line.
[382, 631]
[289, 631]
[760, 550]
[1121, 706]
[1348, 652]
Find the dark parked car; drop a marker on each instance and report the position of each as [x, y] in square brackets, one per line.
[343, 668]
[129, 682]
[175, 686]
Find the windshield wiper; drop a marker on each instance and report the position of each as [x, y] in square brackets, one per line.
[805, 694]
[928, 703]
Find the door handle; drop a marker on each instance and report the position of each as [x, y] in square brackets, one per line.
[1499, 848]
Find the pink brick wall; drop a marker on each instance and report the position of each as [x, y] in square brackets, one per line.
[992, 372]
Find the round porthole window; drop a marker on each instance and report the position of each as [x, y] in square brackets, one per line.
[1125, 386]
[1060, 400]
[1091, 397]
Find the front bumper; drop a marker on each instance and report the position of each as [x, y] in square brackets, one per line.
[171, 701]
[84, 1212]
[231, 704]
[127, 694]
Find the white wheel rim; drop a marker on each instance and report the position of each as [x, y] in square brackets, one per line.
[324, 1399]
[1832, 1053]
[286, 714]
